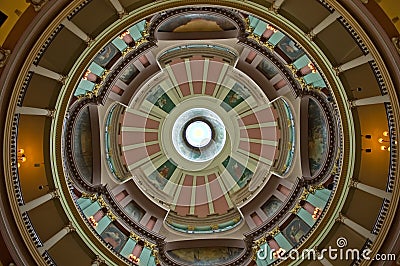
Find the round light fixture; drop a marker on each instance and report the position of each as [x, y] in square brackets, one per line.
[198, 134]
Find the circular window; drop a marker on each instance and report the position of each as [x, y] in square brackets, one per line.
[198, 135]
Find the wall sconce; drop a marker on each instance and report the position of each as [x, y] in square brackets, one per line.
[382, 140]
[384, 148]
[85, 76]
[21, 157]
[317, 213]
[269, 27]
[93, 221]
[124, 34]
[312, 67]
[134, 259]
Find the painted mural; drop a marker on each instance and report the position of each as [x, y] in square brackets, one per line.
[240, 173]
[268, 69]
[134, 211]
[271, 206]
[114, 237]
[235, 96]
[205, 256]
[106, 55]
[288, 47]
[161, 99]
[129, 74]
[160, 177]
[317, 137]
[197, 23]
[295, 230]
[83, 152]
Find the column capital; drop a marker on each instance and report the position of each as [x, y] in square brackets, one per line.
[37, 4]
[70, 227]
[3, 56]
[337, 71]
[317, 251]
[97, 261]
[396, 43]
[353, 182]
[55, 194]
[340, 218]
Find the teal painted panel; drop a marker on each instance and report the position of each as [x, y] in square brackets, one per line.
[306, 217]
[325, 192]
[319, 83]
[316, 201]
[92, 209]
[276, 37]
[261, 27]
[86, 85]
[140, 25]
[135, 33]
[127, 249]
[145, 256]
[301, 62]
[102, 224]
[152, 261]
[120, 44]
[283, 242]
[83, 203]
[79, 91]
[253, 21]
[96, 69]
[312, 77]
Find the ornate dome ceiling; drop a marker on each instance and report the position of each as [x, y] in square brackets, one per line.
[200, 134]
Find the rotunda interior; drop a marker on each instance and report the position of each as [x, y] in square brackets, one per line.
[200, 132]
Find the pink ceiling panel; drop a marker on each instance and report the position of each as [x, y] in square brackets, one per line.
[133, 120]
[197, 86]
[268, 152]
[183, 202]
[220, 204]
[252, 133]
[197, 69]
[151, 136]
[214, 71]
[131, 137]
[185, 89]
[210, 88]
[269, 133]
[265, 115]
[244, 145]
[134, 155]
[201, 208]
[152, 124]
[152, 149]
